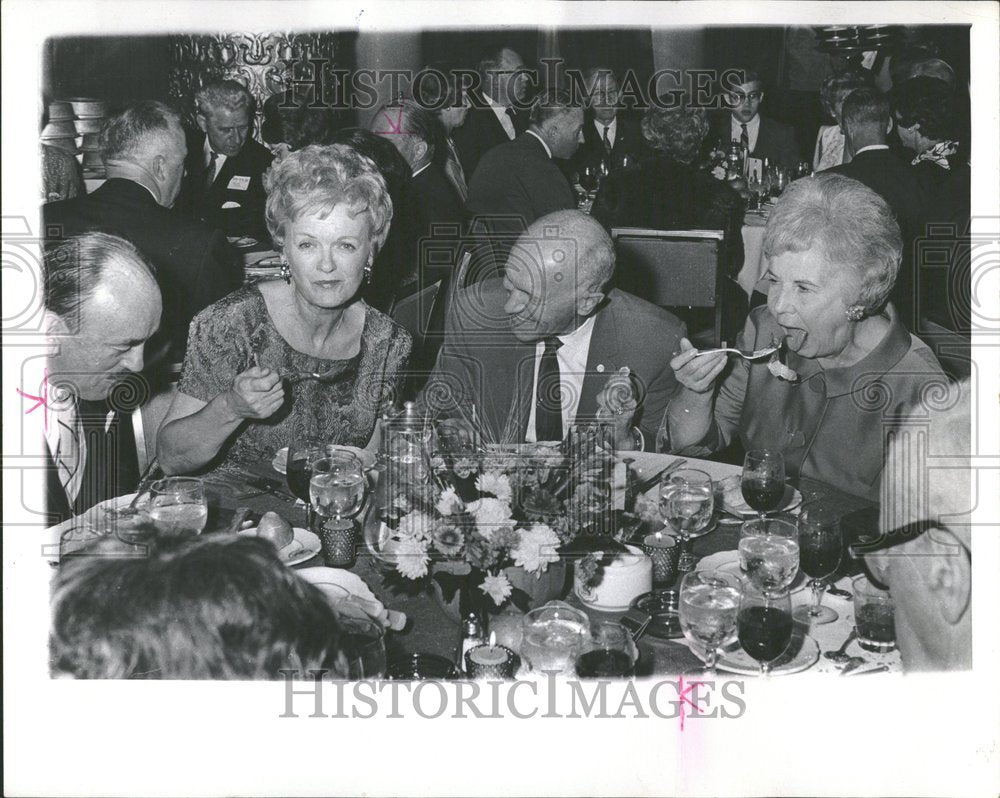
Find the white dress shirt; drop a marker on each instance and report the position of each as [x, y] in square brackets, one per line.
[219, 158]
[871, 147]
[547, 150]
[572, 357]
[501, 114]
[753, 129]
[612, 130]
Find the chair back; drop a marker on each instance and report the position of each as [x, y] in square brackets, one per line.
[672, 268]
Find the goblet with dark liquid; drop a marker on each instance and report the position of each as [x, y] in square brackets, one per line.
[763, 480]
[821, 545]
[302, 454]
[764, 625]
[608, 654]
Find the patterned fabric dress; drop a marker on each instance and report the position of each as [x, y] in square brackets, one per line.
[226, 336]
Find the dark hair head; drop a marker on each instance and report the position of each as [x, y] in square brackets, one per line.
[387, 158]
[552, 103]
[139, 131]
[295, 123]
[927, 101]
[865, 108]
[75, 267]
[677, 132]
[217, 607]
[837, 86]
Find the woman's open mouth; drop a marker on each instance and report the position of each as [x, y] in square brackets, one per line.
[794, 337]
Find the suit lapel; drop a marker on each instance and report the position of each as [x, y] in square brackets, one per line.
[602, 359]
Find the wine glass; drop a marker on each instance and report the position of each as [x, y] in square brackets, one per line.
[177, 506]
[765, 189]
[709, 604]
[763, 480]
[821, 545]
[686, 504]
[764, 625]
[338, 485]
[608, 653]
[754, 186]
[588, 178]
[769, 553]
[779, 180]
[302, 453]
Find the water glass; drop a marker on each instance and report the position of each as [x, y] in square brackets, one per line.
[821, 545]
[553, 639]
[874, 616]
[337, 487]
[763, 480]
[769, 553]
[686, 503]
[709, 605]
[177, 506]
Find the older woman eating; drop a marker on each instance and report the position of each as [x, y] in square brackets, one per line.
[833, 250]
[240, 397]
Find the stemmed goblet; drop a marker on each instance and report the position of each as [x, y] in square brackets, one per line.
[763, 480]
[709, 605]
[821, 545]
[769, 554]
[764, 625]
[686, 504]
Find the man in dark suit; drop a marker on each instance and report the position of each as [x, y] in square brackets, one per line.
[550, 346]
[495, 117]
[611, 135]
[225, 167]
[761, 136]
[519, 182]
[143, 150]
[101, 305]
[866, 123]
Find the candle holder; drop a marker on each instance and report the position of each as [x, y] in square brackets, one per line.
[491, 662]
[664, 551]
[338, 542]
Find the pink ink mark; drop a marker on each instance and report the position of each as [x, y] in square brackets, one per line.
[395, 128]
[682, 692]
[40, 401]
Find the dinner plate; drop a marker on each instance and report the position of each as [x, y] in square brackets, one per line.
[734, 504]
[802, 653]
[243, 242]
[367, 458]
[304, 546]
[729, 561]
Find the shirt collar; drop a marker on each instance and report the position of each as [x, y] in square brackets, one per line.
[580, 334]
[752, 125]
[547, 150]
[612, 126]
[871, 147]
[421, 169]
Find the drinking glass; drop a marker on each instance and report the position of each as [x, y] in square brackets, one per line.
[686, 504]
[754, 186]
[709, 604]
[588, 178]
[765, 189]
[769, 554]
[363, 644]
[608, 653]
[663, 433]
[821, 545]
[408, 458]
[302, 453]
[763, 480]
[338, 485]
[874, 616]
[764, 625]
[553, 637]
[177, 506]
[779, 180]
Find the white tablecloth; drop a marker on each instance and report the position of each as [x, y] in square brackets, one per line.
[753, 252]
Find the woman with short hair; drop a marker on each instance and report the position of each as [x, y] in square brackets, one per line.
[833, 250]
[328, 212]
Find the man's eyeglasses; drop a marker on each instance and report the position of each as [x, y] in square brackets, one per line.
[736, 98]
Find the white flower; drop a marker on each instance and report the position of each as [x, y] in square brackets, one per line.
[497, 484]
[536, 549]
[411, 557]
[719, 173]
[490, 514]
[497, 587]
[449, 503]
[416, 525]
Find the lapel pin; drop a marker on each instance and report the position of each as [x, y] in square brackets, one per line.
[600, 368]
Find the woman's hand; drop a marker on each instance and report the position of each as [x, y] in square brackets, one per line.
[697, 374]
[256, 393]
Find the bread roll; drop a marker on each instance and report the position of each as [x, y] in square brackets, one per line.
[276, 529]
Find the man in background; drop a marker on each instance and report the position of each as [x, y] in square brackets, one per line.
[761, 136]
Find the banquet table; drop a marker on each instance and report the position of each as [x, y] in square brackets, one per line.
[753, 252]
[429, 629]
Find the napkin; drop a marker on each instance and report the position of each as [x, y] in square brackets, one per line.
[361, 603]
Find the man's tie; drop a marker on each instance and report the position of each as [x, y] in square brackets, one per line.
[744, 138]
[456, 175]
[210, 173]
[548, 409]
[607, 141]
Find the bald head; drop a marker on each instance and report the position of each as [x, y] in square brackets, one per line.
[925, 523]
[556, 274]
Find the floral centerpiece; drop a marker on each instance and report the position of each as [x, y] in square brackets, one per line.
[480, 513]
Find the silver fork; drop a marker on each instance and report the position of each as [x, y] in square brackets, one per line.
[311, 375]
[757, 354]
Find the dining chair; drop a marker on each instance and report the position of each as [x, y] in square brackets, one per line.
[679, 270]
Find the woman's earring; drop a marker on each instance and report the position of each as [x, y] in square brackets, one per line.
[368, 272]
[286, 272]
[855, 313]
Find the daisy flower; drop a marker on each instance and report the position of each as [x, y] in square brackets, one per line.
[411, 557]
[490, 514]
[497, 587]
[536, 549]
[494, 483]
[449, 503]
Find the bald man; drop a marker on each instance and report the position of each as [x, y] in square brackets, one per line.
[102, 303]
[550, 345]
[924, 554]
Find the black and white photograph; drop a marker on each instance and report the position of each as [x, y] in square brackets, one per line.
[458, 398]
